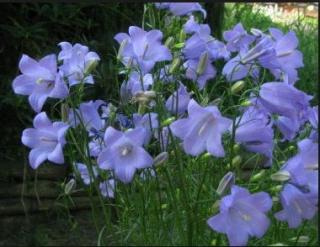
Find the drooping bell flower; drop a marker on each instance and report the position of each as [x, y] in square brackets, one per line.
[88, 114]
[178, 101]
[46, 140]
[85, 174]
[242, 215]
[238, 39]
[289, 59]
[202, 130]
[297, 206]
[78, 63]
[107, 188]
[124, 153]
[255, 132]
[141, 48]
[148, 122]
[40, 80]
[285, 100]
[209, 71]
[180, 9]
[134, 85]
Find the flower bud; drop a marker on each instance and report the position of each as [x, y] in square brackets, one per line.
[70, 186]
[64, 112]
[169, 42]
[275, 199]
[237, 87]
[236, 148]
[174, 65]
[216, 101]
[300, 239]
[92, 64]
[160, 158]
[168, 121]
[246, 103]
[182, 36]
[215, 207]
[276, 188]
[258, 176]
[122, 46]
[280, 176]
[202, 65]
[236, 161]
[225, 183]
[214, 242]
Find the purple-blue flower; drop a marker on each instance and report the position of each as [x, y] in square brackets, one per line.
[288, 58]
[77, 61]
[88, 114]
[182, 8]
[255, 132]
[287, 101]
[237, 38]
[46, 140]
[39, 80]
[297, 206]
[148, 122]
[142, 48]
[178, 101]
[124, 153]
[85, 174]
[202, 130]
[134, 85]
[242, 215]
[107, 188]
[191, 72]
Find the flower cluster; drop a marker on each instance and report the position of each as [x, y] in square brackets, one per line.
[160, 112]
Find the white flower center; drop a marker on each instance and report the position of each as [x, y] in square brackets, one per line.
[126, 149]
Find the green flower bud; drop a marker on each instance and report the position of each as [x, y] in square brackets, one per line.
[160, 158]
[202, 65]
[276, 188]
[246, 103]
[236, 161]
[64, 112]
[70, 186]
[182, 36]
[258, 176]
[225, 183]
[122, 46]
[90, 66]
[168, 121]
[237, 87]
[236, 148]
[301, 239]
[174, 65]
[280, 176]
[169, 42]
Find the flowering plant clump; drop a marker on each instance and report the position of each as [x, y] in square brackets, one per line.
[195, 117]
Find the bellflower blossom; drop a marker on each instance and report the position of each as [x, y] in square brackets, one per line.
[178, 101]
[124, 153]
[191, 73]
[89, 114]
[85, 174]
[148, 122]
[40, 80]
[77, 62]
[182, 8]
[285, 100]
[255, 132]
[134, 85]
[46, 140]
[240, 66]
[237, 38]
[242, 215]
[288, 58]
[142, 48]
[296, 206]
[107, 188]
[202, 130]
